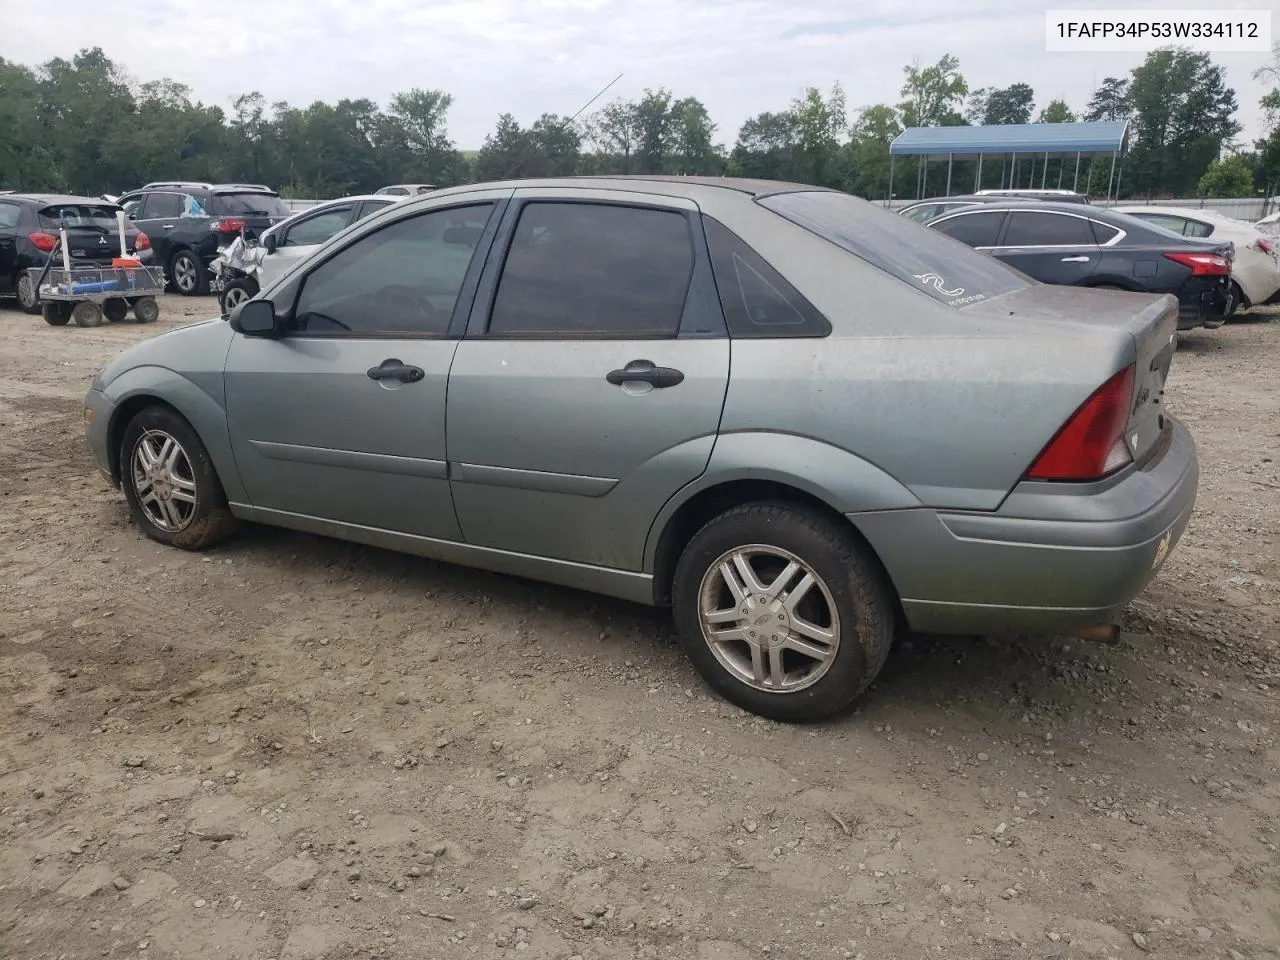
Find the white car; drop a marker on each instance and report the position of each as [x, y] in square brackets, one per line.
[290, 240]
[1255, 274]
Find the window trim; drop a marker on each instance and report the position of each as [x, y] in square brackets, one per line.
[316, 215]
[1002, 214]
[700, 280]
[1040, 246]
[292, 286]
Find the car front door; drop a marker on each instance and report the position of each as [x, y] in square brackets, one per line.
[300, 238]
[342, 418]
[1052, 247]
[158, 218]
[590, 386]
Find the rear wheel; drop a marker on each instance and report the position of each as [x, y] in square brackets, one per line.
[188, 274]
[783, 611]
[86, 313]
[1237, 300]
[28, 295]
[174, 493]
[115, 309]
[146, 309]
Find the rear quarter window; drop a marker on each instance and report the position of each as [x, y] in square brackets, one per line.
[922, 258]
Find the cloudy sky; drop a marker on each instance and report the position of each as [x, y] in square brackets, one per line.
[529, 56]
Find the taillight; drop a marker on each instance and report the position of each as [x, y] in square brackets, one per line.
[1265, 245]
[229, 225]
[142, 242]
[44, 242]
[1202, 264]
[1091, 444]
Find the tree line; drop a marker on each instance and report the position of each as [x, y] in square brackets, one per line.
[84, 126]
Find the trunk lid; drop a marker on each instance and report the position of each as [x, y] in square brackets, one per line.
[93, 235]
[1146, 332]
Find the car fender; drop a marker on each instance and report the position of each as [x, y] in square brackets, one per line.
[839, 478]
[204, 412]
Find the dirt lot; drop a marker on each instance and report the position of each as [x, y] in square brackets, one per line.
[296, 749]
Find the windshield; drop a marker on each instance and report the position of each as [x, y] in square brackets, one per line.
[81, 216]
[945, 268]
[250, 205]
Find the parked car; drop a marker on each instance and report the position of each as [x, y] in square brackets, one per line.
[1062, 244]
[29, 225]
[793, 416]
[1058, 196]
[1255, 272]
[241, 270]
[407, 189]
[189, 222]
[1270, 225]
[926, 210]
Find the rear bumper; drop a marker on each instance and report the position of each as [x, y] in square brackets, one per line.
[1054, 557]
[1202, 304]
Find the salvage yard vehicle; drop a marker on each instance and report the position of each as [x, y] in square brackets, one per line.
[29, 225]
[803, 422]
[190, 222]
[242, 267]
[1255, 271]
[1064, 244]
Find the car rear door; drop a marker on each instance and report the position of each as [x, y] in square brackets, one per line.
[1052, 246]
[10, 222]
[590, 386]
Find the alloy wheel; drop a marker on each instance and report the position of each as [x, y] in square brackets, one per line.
[164, 481]
[768, 618]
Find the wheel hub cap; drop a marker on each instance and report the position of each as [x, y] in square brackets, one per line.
[164, 481]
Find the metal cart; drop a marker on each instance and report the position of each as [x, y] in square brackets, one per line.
[90, 295]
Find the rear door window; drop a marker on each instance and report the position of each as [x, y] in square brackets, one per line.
[918, 256]
[10, 215]
[974, 229]
[1027, 229]
[159, 206]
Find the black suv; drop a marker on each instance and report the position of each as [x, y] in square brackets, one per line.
[189, 222]
[29, 224]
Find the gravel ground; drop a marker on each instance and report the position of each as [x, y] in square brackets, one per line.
[296, 749]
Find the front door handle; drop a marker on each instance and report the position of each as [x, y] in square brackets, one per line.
[395, 370]
[644, 371]
[1075, 259]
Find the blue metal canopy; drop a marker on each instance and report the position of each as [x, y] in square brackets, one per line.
[1095, 138]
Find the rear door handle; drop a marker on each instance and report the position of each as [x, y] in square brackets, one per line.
[393, 369]
[644, 371]
[1075, 259]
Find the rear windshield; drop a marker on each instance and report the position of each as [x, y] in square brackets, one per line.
[249, 205]
[944, 268]
[79, 215]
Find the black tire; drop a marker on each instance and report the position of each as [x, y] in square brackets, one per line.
[56, 313]
[205, 521]
[146, 309]
[28, 296]
[1237, 300]
[188, 275]
[849, 576]
[115, 309]
[238, 290]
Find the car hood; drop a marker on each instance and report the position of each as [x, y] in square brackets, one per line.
[188, 347]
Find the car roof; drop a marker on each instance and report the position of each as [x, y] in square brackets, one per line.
[667, 185]
[1046, 206]
[1191, 212]
[52, 198]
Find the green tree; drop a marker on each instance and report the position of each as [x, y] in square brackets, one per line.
[766, 147]
[1227, 177]
[505, 151]
[1110, 101]
[932, 95]
[1010, 104]
[1183, 115]
[873, 132]
[692, 150]
[421, 116]
[1267, 164]
[1056, 111]
[613, 131]
[821, 128]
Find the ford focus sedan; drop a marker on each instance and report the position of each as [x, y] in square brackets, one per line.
[802, 422]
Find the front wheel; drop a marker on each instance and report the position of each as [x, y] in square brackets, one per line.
[783, 611]
[237, 292]
[173, 491]
[28, 295]
[189, 276]
[57, 313]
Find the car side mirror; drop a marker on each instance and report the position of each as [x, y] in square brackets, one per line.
[255, 318]
[269, 241]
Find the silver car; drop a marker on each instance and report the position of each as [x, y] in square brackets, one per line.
[803, 422]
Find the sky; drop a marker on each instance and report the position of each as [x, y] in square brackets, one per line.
[527, 57]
